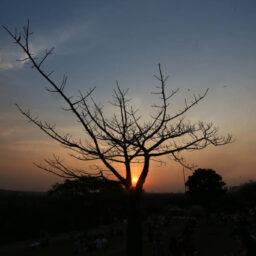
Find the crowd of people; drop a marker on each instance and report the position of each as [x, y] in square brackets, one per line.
[44, 242]
[242, 229]
[182, 245]
[85, 243]
[90, 242]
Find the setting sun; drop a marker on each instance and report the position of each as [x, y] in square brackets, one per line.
[134, 180]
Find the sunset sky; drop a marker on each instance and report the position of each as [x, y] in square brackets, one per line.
[200, 44]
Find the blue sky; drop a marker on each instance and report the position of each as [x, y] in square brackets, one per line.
[200, 44]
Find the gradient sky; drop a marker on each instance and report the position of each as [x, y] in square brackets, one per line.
[200, 44]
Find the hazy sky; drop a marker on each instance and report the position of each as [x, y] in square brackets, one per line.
[200, 44]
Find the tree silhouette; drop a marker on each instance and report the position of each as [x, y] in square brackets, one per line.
[247, 193]
[205, 186]
[124, 139]
[86, 186]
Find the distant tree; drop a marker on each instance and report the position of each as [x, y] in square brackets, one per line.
[205, 186]
[89, 197]
[86, 186]
[247, 193]
[123, 140]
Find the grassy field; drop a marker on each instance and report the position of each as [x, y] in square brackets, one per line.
[210, 239]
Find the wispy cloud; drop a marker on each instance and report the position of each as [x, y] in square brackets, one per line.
[8, 58]
[60, 38]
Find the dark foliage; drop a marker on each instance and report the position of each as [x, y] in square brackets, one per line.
[86, 186]
[205, 186]
[34, 215]
[247, 193]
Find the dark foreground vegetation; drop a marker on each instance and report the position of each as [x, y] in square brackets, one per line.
[60, 219]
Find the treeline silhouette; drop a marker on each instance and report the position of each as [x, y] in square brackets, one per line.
[32, 215]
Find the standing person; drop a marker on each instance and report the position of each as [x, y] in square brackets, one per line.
[174, 247]
[188, 244]
[158, 245]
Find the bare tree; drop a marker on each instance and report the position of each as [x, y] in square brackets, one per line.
[123, 139]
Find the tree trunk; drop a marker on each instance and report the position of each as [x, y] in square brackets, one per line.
[134, 227]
